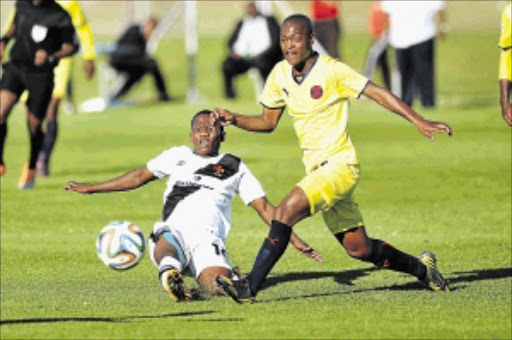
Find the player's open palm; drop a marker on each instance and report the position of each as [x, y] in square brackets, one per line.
[313, 254]
[428, 128]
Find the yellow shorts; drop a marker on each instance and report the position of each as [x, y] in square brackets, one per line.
[62, 73]
[330, 189]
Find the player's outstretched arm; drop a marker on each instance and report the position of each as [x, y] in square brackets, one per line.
[130, 180]
[396, 105]
[266, 211]
[266, 122]
[506, 107]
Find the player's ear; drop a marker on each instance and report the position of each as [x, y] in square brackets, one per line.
[312, 39]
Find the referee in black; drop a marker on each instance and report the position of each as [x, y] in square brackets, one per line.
[43, 34]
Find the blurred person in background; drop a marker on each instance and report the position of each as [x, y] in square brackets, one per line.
[378, 54]
[131, 60]
[412, 33]
[43, 34]
[253, 43]
[326, 25]
[505, 66]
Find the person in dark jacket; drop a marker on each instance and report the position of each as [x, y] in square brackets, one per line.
[131, 59]
[253, 43]
[43, 34]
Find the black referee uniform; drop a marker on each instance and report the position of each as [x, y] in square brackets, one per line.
[42, 25]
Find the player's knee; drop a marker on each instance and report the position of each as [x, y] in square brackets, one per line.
[362, 253]
[283, 213]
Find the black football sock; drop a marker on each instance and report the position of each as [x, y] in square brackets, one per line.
[3, 134]
[36, 142]
[386, 256]
[273, 247]
[49, 140]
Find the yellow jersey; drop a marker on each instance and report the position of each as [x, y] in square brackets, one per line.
[505, 43]
[318, 105]
[80, 23]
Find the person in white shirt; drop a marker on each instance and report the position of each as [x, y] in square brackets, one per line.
[412, 32]
[196, 217]
[253, 43]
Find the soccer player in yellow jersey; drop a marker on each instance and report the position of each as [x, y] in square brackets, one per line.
[317, 90]
[61, 78]
[505, 71]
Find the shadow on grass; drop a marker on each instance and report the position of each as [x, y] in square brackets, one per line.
[120, 319]
[346, 278]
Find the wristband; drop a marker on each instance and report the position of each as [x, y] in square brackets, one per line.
[5, 39]
[307, 250]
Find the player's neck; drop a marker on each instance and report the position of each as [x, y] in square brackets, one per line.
[305, 66]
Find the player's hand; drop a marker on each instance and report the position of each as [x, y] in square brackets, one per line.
[312, 254]
[506, 113]
[225, 117]
[41, 57]
[427, 128]
[78, 187]
[89, 68]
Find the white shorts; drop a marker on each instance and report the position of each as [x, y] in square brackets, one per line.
[200, 250]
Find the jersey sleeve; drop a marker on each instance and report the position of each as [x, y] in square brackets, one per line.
[10, 21]
[249, 188]
[506, 28]
[349, 83]
[438, 5]
[161, 165]
[67, 30]
[272, 96]
[83, 30]
[505, 66]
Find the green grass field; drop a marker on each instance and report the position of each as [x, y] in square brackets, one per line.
[451, 196]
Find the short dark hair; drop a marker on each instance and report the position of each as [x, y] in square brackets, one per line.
[303, 20]
[206, 113]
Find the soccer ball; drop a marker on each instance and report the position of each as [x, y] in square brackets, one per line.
[120, 245]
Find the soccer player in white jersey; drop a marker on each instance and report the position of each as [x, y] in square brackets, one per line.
[317, 90]
[196, 217]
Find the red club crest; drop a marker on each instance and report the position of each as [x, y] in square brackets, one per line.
[219, 170]
[316, 92]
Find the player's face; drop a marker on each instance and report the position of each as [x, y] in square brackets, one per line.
[295, 43]
[206, 136]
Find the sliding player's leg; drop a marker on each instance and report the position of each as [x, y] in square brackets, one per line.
[167, 253]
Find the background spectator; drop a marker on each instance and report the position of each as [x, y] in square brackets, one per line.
[378, 54]
[253, 43]
[412, 31]
[131, 59]
[326, 25]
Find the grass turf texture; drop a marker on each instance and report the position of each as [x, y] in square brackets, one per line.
[452, 196]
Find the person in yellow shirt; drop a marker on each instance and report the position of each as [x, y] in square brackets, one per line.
[316, 89]
[505, 68]
[62, 74]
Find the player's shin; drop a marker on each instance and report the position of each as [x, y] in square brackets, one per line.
[273, 247]
[3, 134]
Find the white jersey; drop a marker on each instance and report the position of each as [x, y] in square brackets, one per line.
[200, 190]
